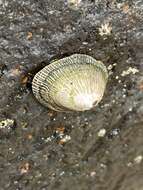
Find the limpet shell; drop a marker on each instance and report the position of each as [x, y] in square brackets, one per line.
[74, 83]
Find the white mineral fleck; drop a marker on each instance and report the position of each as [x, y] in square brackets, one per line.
[129, 164]
[103, 165]
[138, 159]
[66, 138]
[110, 67]
[84, 43]
[102, 132]
[6, 123]
[105, 29]
[74, 4]
[92, 174]
[129, 71]
[48, 139]
[115, 131]
[62, 173]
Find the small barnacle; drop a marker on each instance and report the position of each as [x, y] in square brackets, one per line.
[74, 83]
[8, 123]
[6, 127]
[105, 29]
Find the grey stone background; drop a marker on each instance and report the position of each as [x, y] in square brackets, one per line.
[41, 149]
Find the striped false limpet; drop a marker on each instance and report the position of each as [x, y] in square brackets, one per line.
[74, 83]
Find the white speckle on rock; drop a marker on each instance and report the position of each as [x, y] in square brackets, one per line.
[92, 174]
[115, 132]
[66, 138]
[6, 123]
[103, 166]
[48, 139]
[102, 132]
[105, 29]
[138, 159]
[110, 73]
[129, 164]
[72, 126]
[84, 43]
[62, 173]
[124, 89]
[105, 105]
[129, 71]
[130, 109]
[110, 67]
[74, 4]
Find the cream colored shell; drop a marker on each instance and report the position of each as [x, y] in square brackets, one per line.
[74, 83]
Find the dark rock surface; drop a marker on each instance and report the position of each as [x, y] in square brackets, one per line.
[41, 149]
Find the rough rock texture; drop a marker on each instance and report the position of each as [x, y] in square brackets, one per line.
[41, 149]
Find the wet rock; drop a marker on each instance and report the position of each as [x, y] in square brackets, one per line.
[32, 33]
